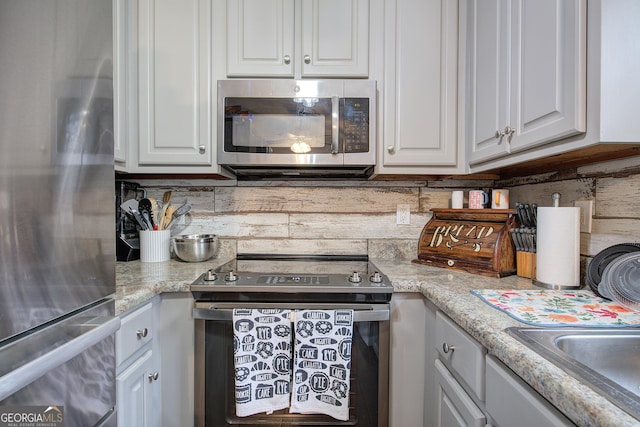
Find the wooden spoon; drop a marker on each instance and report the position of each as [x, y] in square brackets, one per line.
[166, 199]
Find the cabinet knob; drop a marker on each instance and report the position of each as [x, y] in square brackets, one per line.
[447, 348]
[202, 149]
[154, 376]
[287, 59]
[391, 148]
[142, 333]
[307, 59]
[499, 134]
[508, 130]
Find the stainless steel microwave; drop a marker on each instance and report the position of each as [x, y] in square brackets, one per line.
[297, 128]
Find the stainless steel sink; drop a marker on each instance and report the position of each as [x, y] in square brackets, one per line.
[608, 360]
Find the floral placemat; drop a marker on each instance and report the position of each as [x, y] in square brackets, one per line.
[559, 308]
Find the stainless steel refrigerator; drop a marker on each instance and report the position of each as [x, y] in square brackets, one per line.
[57, 239]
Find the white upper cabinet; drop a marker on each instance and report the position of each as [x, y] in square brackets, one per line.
[260, 38]
[297, 38]
[174, 77]
[419, 95]
[526, 74]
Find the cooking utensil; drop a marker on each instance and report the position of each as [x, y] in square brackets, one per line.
[145, 207]
[181, 211]
[166, 200]
[195, 247]
[139, 219]
[127, 205]
[167, 217]
[155, 212]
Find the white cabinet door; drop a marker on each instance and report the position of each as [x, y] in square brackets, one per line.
[511, 401]
[419, 109]
[174, 78]
[335, 38]
[412, 324]
[175, 343]
[487, 47]
[548, 71]
[454, 407]
[297, 38]
[260, 38]
[138, 394]
[526, 74]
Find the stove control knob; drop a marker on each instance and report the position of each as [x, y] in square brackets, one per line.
[376, 277]
[231, 276]
[355, 277]
[210, 276]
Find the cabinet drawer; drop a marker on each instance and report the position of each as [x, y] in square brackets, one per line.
[511, 401]
[461, 353]
[135, 331]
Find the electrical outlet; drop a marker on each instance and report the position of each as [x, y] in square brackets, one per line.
[586, 214]
[403, 215]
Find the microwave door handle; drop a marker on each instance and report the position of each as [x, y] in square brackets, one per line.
[335, 125]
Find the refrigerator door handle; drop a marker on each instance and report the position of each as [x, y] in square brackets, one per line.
[31, 371]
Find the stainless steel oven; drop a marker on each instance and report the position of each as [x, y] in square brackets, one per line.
[318, 283]
[297, 127]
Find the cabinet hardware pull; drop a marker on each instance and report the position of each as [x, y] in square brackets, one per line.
[202, 149]
[287, 59]
[447, 348]
[391, 149]
[142, 333]
[307, 59]
[154, 376]
[508, 131]
[499, 134]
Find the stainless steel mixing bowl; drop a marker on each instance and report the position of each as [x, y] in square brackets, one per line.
[195, 247]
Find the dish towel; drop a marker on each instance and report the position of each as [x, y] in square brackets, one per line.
[322, 362]
[262, 355]
[547, 307]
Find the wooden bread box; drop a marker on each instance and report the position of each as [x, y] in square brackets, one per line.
[471, 240]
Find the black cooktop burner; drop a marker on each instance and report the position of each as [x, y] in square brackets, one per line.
[260, 273]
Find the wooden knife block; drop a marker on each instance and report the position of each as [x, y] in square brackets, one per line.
[526, 264]
[472, 240]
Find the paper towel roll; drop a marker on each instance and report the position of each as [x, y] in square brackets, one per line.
[558, 247]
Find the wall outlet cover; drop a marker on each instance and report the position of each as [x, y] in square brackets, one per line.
[586, 215]
[403, 214]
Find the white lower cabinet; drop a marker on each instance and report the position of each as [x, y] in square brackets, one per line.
[154, 358]
[412, 328]
[175, 343]
[137, 388]
[473, 388]
[511, 401]
[138, 379]
[460, 375]
[454, 406]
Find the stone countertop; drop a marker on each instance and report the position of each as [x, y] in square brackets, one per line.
[449, 290]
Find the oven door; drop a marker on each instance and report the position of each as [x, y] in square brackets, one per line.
[368, 399]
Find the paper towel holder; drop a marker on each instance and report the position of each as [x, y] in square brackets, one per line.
[555, 197]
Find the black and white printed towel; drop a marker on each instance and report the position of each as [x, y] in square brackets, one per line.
[262, 354]
[322, 362]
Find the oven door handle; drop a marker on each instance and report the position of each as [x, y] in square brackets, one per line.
[224, 312]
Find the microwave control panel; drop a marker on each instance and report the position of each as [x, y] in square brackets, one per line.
[354, 125]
